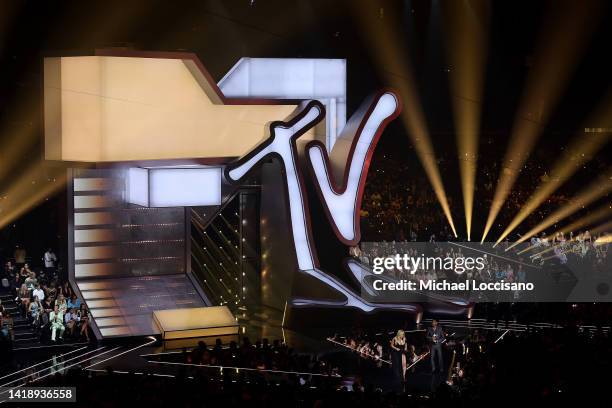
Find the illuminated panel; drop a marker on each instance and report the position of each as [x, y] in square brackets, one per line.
[96, 252]
[93, 218]
[93, 235]
[293, 78]
[138, 186]
[353, 150]
[96, 294]
[92, 202]
[105, 312]
[95, 285]
[115, 331]
[110, 321]
[184, 187]
[93, 304]
[122, 108]
[174, 187]
[92, 184]
[94, 270]
[195, 322]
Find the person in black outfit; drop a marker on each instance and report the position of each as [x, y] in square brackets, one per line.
[435, 334]
[399, 347]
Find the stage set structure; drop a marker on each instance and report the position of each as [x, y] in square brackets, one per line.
[192, 202]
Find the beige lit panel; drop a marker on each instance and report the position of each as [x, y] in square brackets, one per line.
[115, 331]
[92, 202]
[96, 252]
[93, 184]
[95, 285]
[96, 294]
[105, 312]
[109, 108]
[195, 322]
[93, 218]
[110, 321]
[93, 235]
[94, 270]
[94, 304]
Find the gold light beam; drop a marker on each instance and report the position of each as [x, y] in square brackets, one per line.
[602, 212]
[576, 155]
[384, 41]
[557, 53]
[606, 239]
[33, 187]
[605, 228]
[597, 189]
[467, 30]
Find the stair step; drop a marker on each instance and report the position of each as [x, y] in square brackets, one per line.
[30, 334]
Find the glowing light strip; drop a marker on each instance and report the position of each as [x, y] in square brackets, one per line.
[282, 144]
[43, 362]
[501, 337]
[44, 369]
[153, 340]
[243, 368]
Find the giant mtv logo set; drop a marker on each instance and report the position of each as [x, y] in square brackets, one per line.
[342, 201]
[177, 132]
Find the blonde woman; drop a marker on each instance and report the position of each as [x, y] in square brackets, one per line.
[62, 304]
[399, 346]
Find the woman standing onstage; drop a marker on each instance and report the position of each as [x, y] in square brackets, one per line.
[399, 347]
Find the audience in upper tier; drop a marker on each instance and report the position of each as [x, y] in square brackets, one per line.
[400, 204]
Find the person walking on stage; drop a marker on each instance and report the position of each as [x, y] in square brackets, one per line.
[435, 334]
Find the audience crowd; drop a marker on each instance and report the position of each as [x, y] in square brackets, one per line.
[45, 300]
[399, 203]
[262, 355]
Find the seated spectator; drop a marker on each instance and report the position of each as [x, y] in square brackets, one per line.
[57, 323]
[66, 290]
[38, 292]
[61, 303]
[23, 298]
[35, 310]
[71, 319]
[31, 281]
[74, 302]
[51, 290]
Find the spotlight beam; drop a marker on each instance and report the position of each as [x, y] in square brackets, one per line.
[579, 152]
[599, 188]
[561, 41]
[26, 193]
[394, 65]
[466, 49]
[602, 212]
